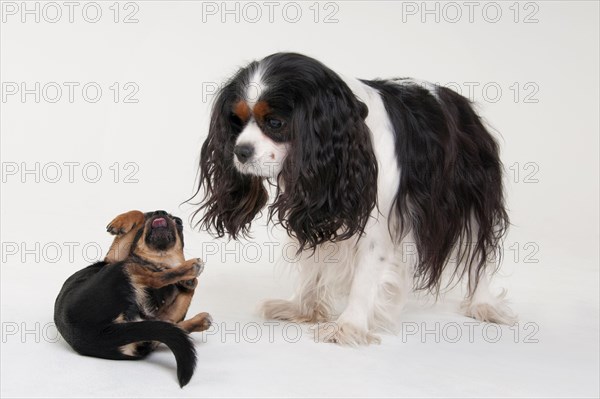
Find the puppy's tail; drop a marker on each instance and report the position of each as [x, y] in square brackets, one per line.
[169, 334]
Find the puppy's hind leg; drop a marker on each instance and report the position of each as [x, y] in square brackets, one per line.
[200, 322]
[124, 227]
[175, 312]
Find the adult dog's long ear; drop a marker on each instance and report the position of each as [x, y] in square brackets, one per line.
[330, 174]
[231, 200]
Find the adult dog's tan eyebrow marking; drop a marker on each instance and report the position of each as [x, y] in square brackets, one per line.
[261, 109]
[241, 110]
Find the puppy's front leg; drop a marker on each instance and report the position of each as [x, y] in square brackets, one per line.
[143, 276]
[124, 227]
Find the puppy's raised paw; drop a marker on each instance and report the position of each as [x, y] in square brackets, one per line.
[125, 222]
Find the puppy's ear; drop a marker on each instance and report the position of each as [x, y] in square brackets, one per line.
[231, 200]
[330, 174]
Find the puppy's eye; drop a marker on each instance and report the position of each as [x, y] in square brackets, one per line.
[178, 221]
[275, 123]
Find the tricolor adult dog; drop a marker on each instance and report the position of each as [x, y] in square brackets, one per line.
[373, 166]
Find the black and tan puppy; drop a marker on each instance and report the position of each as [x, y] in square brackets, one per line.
[123, 307]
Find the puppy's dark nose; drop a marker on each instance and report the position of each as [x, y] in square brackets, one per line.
[160, 213]
[243, 152]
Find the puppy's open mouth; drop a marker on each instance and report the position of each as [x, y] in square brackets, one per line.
[161, 233]
[159, 223]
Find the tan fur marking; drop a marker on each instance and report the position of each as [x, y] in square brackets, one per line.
[120, 319]
[175, 312]
[129, 349]
[200, 322]
[261, 109]
[170, 258]
[124, 226]
[145, 277]
[165, 268]
[241, 110]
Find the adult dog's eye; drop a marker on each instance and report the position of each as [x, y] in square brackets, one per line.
[275, 123]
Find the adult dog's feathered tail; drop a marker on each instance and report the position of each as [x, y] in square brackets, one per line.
[450, 193]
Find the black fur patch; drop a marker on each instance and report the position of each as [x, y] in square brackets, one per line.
[450, 192]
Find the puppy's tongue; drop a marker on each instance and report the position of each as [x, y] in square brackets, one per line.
[159, 222]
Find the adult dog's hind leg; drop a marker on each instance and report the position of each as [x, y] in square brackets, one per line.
[124, 227]
[485, 306]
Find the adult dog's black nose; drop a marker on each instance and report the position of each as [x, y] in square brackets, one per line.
[243, 152]
[160, 213]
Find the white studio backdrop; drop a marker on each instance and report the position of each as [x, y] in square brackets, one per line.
[105, 106]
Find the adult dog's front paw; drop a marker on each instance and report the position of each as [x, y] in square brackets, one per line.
[125, 222]
[280, 309]
[344, 334]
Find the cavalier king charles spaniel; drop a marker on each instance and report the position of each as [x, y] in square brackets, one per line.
[401, 176]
